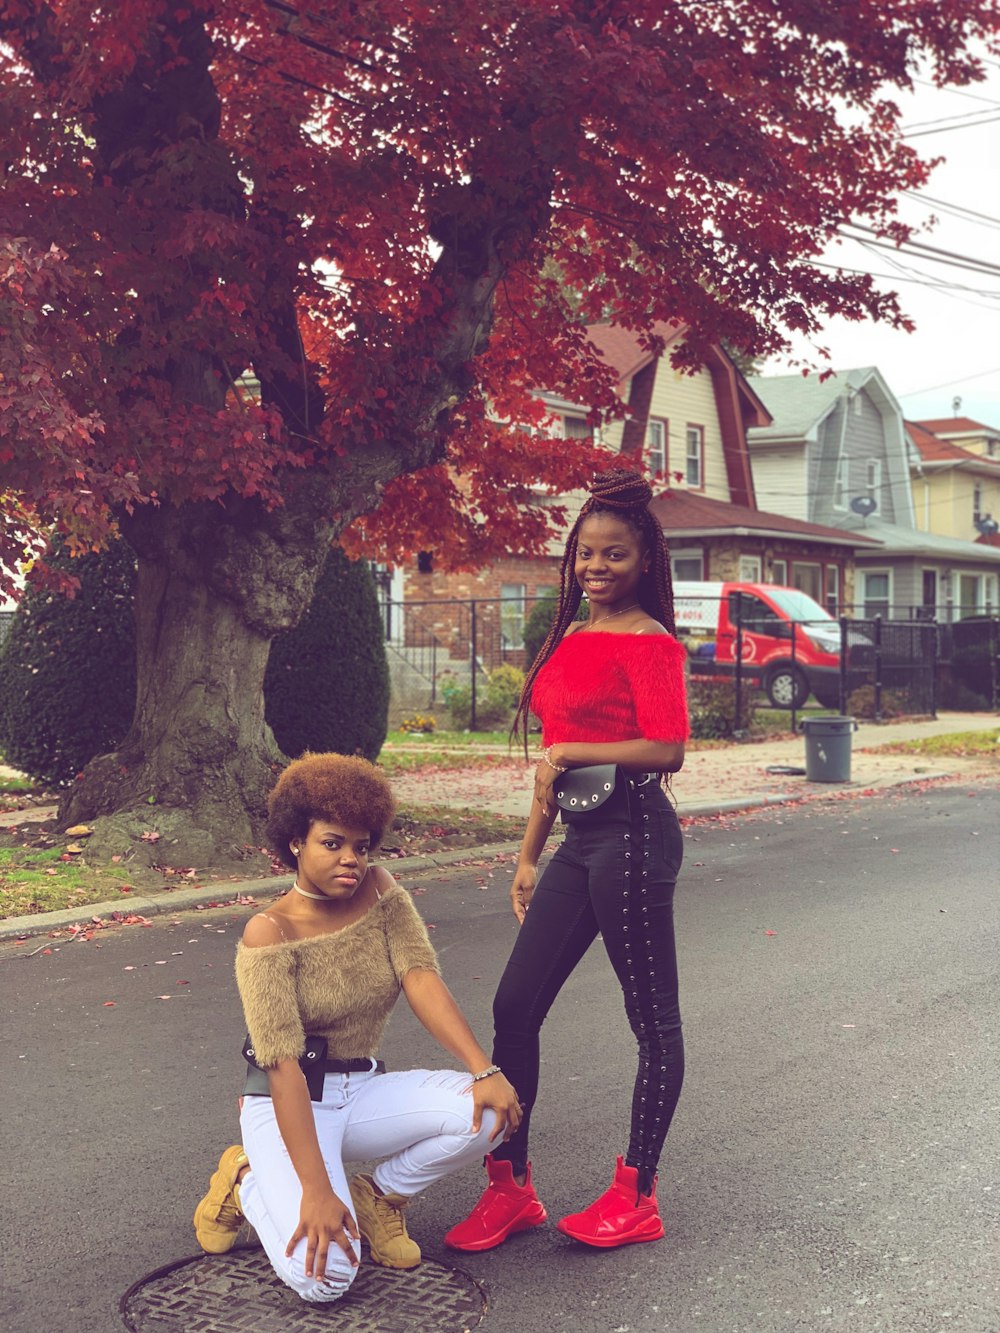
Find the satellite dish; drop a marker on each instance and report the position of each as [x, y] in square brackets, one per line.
[864, 505]
[987, 525]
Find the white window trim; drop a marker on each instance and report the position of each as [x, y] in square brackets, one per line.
[783, 581]
[661, 422]
[699, 431]
[862, 580]
[688, 553]
[750, 559]
[508, 601]
[841, 481]
[873, 481]
[835, 571]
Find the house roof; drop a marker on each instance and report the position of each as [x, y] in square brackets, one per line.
[933, 449]
[797, 403]
[681, 513]
[899, 541]
[949, 426]
[622, 348]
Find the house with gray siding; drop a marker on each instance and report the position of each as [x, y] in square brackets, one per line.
[837, 453]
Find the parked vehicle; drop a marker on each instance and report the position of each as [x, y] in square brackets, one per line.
[789, 643]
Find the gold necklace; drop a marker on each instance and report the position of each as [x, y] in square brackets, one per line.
[611, 614]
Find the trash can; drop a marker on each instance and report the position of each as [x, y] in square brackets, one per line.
[828, 748]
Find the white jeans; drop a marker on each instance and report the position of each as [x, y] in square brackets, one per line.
[419, 1119]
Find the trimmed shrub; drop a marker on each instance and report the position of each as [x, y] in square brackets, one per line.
[67, 668]
[712, 708]
[497, 693]
[327, 680]
[861, 703]
[538, 623]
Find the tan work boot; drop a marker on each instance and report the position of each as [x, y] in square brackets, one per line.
[381, 1223]
[218, 1218]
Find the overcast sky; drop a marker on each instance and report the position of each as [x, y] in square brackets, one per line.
[955, 351]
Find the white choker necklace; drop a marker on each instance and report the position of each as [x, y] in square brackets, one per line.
[316, 897]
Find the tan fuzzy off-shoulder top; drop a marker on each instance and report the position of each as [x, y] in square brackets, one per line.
[341, 986]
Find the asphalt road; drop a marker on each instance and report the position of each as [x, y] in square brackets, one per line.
[833, 1163]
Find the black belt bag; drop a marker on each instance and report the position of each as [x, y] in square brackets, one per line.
[314, 1063]
[605, 787]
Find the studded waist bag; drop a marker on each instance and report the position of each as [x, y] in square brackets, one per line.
[314, 1063]
[605, 787]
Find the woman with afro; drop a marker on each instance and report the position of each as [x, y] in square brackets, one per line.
[318, 975]
[608, 691]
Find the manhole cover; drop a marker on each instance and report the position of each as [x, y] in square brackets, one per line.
[239, 1293]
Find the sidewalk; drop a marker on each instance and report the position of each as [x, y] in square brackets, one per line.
[733, 777]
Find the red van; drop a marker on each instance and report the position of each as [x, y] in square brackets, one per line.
[707, 615]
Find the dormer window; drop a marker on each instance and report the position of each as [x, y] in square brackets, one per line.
[873, 481]
[656, 445]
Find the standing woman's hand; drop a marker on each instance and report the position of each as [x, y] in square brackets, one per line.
[522, 890]
[545, 776]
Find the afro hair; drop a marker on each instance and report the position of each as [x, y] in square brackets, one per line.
[343, 789]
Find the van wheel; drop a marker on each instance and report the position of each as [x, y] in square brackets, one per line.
[786, 687]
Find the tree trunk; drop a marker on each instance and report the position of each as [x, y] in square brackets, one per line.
[199, 759]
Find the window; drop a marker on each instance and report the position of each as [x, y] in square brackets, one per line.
[693, 456]
[833, 589]
[977, 502]
[808, 579]
[576, 428]
[687, 566]
[656, 445]
[970, 596]
[779, 572]
[876, 592]
[873, 480]
[755, 615]
[749, 568]
[512, 614]
[928, 594]
[841, 482]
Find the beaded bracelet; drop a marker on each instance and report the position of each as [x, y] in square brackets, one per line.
[546, 758]
[487, 1073]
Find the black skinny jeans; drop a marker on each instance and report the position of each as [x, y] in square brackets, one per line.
[615, 874]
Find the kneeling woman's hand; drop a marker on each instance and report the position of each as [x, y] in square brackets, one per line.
[496, 1093]
[323, 1219]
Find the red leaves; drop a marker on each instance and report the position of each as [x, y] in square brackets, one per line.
[662, 163]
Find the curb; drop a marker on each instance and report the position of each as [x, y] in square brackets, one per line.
[223, 895]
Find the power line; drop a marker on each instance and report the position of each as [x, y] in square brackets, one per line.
[951, 258]
[945, 129]
[931, 388]
[944, 120]
[952, 207]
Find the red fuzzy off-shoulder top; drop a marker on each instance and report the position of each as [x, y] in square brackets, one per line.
[598, 686]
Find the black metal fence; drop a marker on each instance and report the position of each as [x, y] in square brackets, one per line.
[904, 666]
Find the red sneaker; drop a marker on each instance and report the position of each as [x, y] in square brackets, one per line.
[504, 1207]
[621, 1216]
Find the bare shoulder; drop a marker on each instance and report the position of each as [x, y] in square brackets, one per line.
[574, 628]
[263, 928]
[384, 881]
[650, 626]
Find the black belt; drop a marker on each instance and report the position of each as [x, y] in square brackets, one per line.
[640, 779]
[366, 1066]
[315, 1065]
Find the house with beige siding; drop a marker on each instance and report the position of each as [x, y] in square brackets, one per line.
[690, 431]
[837, 452]
[956, 488]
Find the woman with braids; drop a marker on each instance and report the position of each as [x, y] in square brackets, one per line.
[318, 975]
[608, 691]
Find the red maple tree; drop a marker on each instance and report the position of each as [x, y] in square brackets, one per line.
[379, 210]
